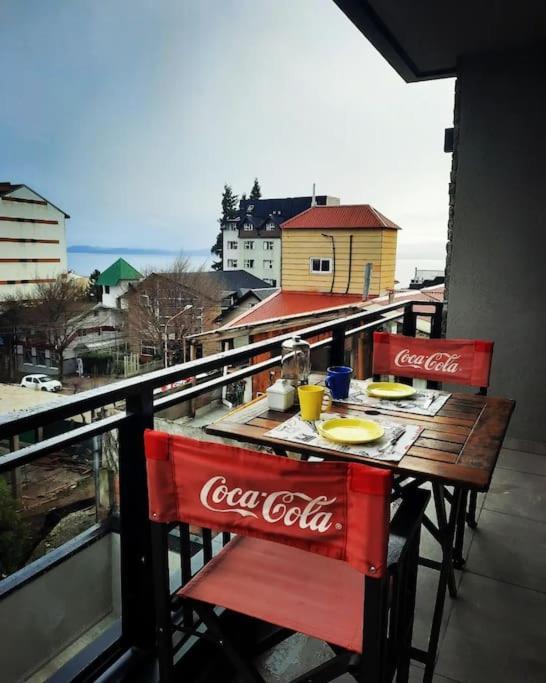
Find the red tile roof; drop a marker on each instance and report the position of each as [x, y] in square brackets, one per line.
[355, 216]
[286, 304]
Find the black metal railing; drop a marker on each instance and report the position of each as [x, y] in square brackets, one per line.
[134, 417]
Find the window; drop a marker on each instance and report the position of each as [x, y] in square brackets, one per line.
[270, 281]
[248, 226]
[107, 289]
[27, 355]
[232, 245]
[232, 263]
[320, 265]
[249, 244]
[40, 357]
[268, 264]
[270, 226]
[268, 245]
[248, 263]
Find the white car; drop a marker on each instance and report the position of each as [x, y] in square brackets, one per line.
[41, 383]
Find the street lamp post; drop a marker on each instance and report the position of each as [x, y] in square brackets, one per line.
[169, 321]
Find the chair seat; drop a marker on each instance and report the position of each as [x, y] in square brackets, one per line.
[315, 595]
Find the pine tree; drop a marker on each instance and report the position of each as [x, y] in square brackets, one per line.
[256, 191]
[229, 210]
[94, 291]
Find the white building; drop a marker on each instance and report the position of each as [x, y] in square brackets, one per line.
[32, 240]
[115, 281]
[254, 249]
[251, 240]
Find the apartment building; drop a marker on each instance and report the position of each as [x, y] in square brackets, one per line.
[32, 240]
[252, 239]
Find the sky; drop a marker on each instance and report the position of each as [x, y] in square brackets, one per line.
[132, 114]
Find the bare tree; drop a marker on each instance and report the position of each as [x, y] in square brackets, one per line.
[56, 310]
[179, 300]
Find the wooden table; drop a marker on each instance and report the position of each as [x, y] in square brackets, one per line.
[458, 448]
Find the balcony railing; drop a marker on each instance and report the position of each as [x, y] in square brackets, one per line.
[125, 523]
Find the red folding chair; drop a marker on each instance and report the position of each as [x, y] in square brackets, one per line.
[454, 361]
[309, 552]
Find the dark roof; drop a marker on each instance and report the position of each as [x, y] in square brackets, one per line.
[260, 211]
[233, 280]
[119, 270]
[264, 293]
[8, 188]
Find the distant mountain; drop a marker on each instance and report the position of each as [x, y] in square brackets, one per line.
[121, 251]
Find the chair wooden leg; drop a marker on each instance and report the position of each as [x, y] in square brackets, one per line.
[408, 613]
[372, 660]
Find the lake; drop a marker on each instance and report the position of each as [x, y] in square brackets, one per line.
[84, 264]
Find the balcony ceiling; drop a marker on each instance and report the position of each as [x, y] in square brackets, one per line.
[424, 39]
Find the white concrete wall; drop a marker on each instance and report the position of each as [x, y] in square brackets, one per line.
[497, 284]
[231, 235]
[110, 299]
[30, 250]
[258, 254]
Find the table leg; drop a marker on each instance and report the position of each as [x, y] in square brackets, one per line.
[440, 504]
[445, 573]
[458, 559]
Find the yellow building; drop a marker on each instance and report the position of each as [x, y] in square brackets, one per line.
[327, 248]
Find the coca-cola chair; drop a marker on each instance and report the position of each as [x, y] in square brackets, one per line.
[454, 361]
[299, 547]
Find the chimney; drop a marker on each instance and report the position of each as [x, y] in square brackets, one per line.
[313, 198]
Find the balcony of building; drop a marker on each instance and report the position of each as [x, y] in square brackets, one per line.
[81, 607]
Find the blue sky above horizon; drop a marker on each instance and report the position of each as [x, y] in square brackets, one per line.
[131, 115]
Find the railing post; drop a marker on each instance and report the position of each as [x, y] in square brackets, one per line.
[367, 353]
[137, 594]
[409, 323]
[337, 348]
[436, 321]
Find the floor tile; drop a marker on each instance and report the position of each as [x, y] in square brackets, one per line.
[522, 461]
[510, 548]
[517, 493]
[496, 633]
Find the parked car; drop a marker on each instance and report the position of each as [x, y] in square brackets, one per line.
[41, 383]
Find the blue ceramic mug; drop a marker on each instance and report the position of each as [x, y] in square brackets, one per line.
[338, 380]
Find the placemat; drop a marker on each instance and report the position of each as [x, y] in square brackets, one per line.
[392, 446]
[424, 402]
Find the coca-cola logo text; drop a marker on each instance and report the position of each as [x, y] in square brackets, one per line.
[435, 362]
[284, 507]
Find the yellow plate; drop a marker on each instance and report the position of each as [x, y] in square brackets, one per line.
[350, 430]
[390, 390]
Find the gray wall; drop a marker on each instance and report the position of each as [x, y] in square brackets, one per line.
[497, 286]
[46, 615]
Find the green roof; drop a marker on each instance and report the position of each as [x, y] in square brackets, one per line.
[120, 270]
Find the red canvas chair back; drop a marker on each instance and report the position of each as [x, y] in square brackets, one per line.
[457, 361]
[336, 509]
